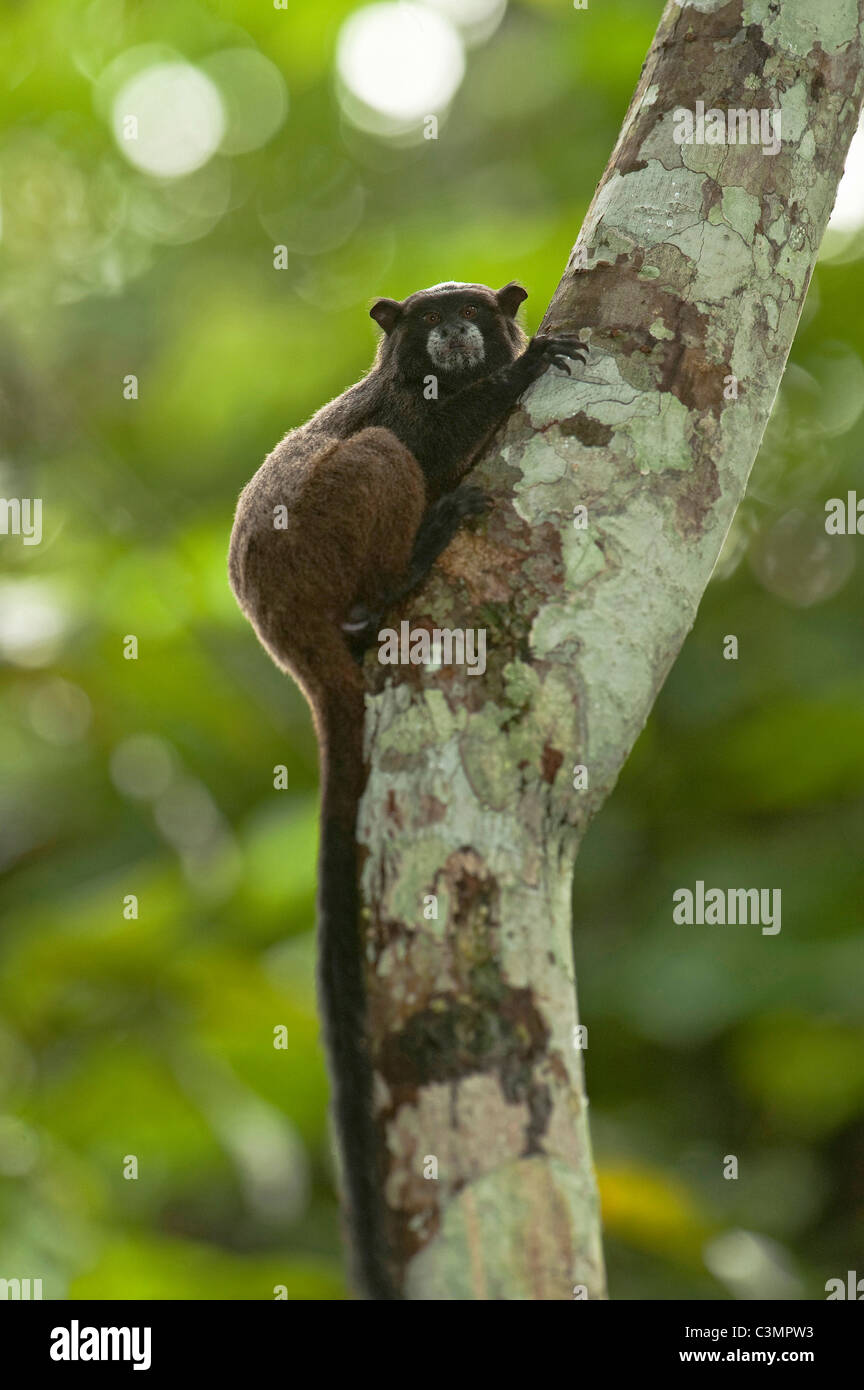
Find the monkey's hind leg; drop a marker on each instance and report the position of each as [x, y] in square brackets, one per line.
[388, 497]
[434, 534]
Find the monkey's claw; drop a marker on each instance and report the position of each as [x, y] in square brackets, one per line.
[558, 349]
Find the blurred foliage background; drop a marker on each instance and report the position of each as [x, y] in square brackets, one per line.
[151, 253]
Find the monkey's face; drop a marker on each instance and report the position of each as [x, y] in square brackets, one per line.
[455, 341]
[456, 330]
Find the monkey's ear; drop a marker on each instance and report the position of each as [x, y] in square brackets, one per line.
[387, 313]
[511, 296]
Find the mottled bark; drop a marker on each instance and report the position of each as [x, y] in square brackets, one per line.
[696, 262]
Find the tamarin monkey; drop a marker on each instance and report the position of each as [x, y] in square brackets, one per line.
[341, 521]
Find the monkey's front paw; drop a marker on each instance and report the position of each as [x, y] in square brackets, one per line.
[556, 350]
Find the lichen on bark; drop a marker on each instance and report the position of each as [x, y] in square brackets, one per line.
[690, 270]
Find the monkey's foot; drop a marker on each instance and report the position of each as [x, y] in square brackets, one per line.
[440, 525]
[467, 501]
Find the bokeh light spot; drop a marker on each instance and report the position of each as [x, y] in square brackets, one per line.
[798, 561]
[400, 63]
[476, 20]
[168, 119]
[752, 1266]
[59, 711]
[32, 622]
[848, 214]
[143, 766]
[253, 94]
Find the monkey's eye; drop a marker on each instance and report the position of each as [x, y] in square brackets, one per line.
[469, 311]
[433, 316]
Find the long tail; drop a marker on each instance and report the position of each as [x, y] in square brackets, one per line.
[341, 982]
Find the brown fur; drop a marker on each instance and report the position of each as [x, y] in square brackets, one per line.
[353, 509]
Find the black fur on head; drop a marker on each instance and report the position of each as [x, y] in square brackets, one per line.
[460, 331]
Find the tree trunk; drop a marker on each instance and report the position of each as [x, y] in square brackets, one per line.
[688, 277]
